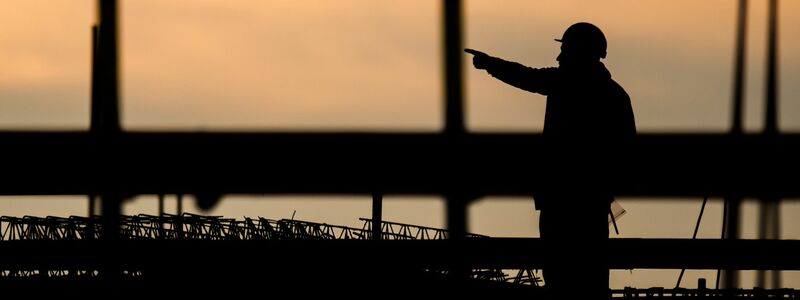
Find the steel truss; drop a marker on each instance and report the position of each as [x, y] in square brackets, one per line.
[190, 226]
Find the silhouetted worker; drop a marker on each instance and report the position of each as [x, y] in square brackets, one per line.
[587, 113]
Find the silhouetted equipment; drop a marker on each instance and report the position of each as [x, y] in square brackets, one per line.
[137, 230]
[455, 164]
[400, 231]
[250, 246]
[189, 227]
[703, 293]
[168, 226]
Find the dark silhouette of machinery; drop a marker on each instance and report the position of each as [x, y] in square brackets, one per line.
[190, 226]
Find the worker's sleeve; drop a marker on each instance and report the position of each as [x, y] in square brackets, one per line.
[539, 81]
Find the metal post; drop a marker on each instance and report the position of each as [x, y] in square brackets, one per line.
[105, 101]
[732, 232]
[105, 107]
[111, 208]
[95, 108]
[179, 200]
[454, 108]
[769, 229]
[160, 205]
[111, 270]
[92, 206]
[105, 104]
[733, 202]
[739, 68]
[105, 126]
[161, 216]
[769, 207]
[377, 215]
[179, 215]
[454, 127]
[454, 114]
[776, 234]
[771, 126]
[457, 216]
[457, 231]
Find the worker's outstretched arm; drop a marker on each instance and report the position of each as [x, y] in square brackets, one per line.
[526, 78]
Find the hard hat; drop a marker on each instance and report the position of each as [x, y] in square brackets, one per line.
[585, 38]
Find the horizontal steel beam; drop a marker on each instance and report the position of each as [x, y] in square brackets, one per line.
[36, 163]
[505, 253]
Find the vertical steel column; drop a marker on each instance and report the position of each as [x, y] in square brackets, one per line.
[771, 126]
[105, 108]
[179, 208]
[732, 231]
[105, 127]
[160, 205]
[739, 68]
[179, 213]
[768, 229]
[94, 105]
[769, 214]
[105, 103]
[377, 215]
[454, 110]
[454, 128]
[161, 216]
[733, 202]
[92, 206]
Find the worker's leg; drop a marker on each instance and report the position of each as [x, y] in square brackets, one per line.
[577, 266]
[593, 255]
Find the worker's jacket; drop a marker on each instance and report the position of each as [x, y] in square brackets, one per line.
[587, 113]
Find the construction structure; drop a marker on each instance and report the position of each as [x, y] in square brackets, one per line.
[455, 164]
[215, 228]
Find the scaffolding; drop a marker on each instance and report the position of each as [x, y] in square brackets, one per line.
[458, 165]
[190, 226]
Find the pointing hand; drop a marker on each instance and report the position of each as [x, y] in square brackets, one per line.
[479, 59]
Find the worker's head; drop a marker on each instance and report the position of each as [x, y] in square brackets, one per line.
[582, 43]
